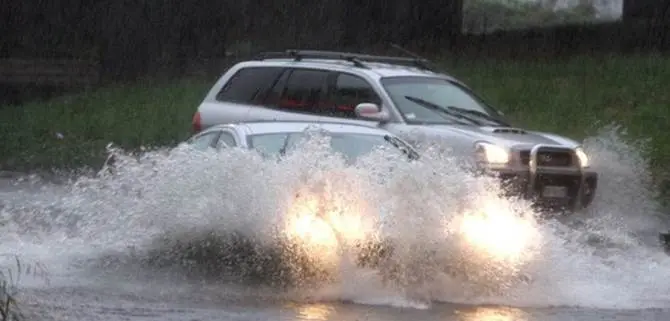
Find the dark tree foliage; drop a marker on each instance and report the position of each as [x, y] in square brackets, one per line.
[135, 37]
[485, 16]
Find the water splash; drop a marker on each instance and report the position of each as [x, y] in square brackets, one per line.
[167, 205]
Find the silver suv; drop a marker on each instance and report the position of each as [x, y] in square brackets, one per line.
[406, 97]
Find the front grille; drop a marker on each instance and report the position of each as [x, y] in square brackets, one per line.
[549, 158]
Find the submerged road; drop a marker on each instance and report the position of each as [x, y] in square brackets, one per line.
[198, 303]
[85, 304]
[86, 291]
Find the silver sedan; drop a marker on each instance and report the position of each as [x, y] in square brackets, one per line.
[274, 138]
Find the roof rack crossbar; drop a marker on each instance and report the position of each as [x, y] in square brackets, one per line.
[356, 59]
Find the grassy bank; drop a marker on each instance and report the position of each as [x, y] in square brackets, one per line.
[73, 130]
[10, 276]
[567, 97]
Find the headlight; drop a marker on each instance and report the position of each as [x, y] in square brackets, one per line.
[313, 230]
[583, 159]
[324, 221]
[493, 154]
[498, 232]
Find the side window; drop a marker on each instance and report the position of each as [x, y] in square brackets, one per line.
[270, 144]
[275, 93]
[292, 140]
[249, 85]
[350, 91]
[204, 141]
[226, 140]
[303, 91]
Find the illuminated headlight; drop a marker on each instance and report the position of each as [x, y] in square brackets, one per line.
[583, 159]
[492, 154]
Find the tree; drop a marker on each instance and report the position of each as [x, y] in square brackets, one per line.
[481, 16]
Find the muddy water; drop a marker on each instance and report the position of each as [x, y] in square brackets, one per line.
[90, 238]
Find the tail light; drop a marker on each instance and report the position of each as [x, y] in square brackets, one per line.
[196, 122]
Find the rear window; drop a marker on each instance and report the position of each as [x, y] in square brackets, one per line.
[249, 85]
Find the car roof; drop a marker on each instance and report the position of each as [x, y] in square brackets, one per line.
[266, 127]
[375, 70]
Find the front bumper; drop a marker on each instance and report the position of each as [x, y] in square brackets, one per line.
[558, 183]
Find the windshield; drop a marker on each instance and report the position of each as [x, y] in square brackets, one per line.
[351, 146]
[426, 100]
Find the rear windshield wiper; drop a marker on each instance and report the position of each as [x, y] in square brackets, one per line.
[477, 113]
[438, 108]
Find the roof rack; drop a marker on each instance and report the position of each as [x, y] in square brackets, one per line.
[356, 59]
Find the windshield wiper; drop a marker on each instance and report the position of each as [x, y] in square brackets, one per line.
[438, 108]
[477, 113]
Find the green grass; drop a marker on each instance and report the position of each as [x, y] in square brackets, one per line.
[8, 304]
[10, 277]
[568, 96]
[130, 116]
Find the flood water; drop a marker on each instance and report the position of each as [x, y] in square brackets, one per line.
[121, 244]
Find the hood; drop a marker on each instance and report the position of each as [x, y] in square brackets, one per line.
[510, 137]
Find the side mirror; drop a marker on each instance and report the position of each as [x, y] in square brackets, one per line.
[370, 111]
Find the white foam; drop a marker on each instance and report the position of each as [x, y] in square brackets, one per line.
[127, 209]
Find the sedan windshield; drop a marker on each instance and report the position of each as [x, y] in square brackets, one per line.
[427, 100]
[350, 145]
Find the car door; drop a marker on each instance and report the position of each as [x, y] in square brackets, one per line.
[309, 94]
[296, 96]
[346, 92]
